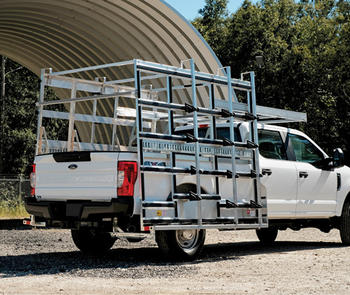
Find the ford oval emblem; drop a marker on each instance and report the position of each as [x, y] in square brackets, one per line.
[73, 166]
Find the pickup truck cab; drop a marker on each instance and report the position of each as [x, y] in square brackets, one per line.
[305, 187]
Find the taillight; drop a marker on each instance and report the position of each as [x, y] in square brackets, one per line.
[33, 180]
[126, 178]
[203, 125]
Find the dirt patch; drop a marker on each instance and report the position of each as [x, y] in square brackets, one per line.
[47, 262]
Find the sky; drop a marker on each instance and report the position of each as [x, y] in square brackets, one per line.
[189, 8]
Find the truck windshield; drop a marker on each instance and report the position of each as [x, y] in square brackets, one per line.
[222, 132]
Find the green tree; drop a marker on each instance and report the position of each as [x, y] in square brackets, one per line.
[213, 23]
[340, 78]
[20, 119]
[305, 49]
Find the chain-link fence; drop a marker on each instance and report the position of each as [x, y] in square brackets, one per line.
[13, 189]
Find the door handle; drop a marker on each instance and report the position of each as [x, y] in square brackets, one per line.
[303, 174]
[267, 172]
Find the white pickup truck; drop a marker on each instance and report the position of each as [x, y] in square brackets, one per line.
[105, 194]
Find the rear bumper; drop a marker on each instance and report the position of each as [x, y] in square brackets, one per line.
[78, 210]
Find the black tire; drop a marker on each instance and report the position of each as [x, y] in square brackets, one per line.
[92, 242]
[345, 224]
[267, 236]
[134, 240]
[181, 244]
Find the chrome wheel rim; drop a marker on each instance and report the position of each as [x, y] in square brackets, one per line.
[187, 239]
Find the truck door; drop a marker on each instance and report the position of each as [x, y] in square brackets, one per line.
[317, 187]
[279, 175]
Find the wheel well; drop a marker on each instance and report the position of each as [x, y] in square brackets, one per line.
[186, 187]
[325, 225]
[347, 200]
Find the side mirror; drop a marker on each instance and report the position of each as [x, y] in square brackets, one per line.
[338, 158]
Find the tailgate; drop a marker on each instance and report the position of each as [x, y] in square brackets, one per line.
[76, 176]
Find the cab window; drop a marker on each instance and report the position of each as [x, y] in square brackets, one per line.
[304, 150]
[271, 145]
[222, 132]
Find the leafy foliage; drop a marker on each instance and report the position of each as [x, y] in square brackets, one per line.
[305, 46]
[20, 119]
[213, 23]
[11, 198]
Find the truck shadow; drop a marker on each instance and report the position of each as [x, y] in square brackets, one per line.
[213, 252]
[139, 262]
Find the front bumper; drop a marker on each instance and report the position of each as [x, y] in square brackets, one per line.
[83, 210]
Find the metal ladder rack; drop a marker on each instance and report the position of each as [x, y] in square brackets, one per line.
[209, 206]
[176, 151]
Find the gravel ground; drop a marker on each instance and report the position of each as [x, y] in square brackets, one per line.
[47, 262]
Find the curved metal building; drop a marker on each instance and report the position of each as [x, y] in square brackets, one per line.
[66, 34]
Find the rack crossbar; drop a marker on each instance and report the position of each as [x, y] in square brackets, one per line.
[85, 98]
[266, 113]
[93, 68]
[91, 118]
[185, 73]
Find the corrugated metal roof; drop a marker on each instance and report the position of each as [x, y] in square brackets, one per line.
[66, 34]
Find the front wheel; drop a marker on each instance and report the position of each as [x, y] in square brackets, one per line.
[91, 241]
[345, 224]
[181, 244]
[267, 235]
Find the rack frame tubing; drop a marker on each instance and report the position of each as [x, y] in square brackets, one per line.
[186, 74]
[139, 128]
[231, 96]
[196, 135]
[232, 138]
[136, 92]
[40, 110]
[256, 154]
[171, 132]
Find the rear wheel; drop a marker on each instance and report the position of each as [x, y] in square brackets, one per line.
[267, 235]
[181, 244]
[345, 224]
[91, 241]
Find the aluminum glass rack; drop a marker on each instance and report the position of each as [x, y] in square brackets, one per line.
[145, 112]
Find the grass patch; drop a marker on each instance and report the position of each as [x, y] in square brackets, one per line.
[12, 210]
[12, 193]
